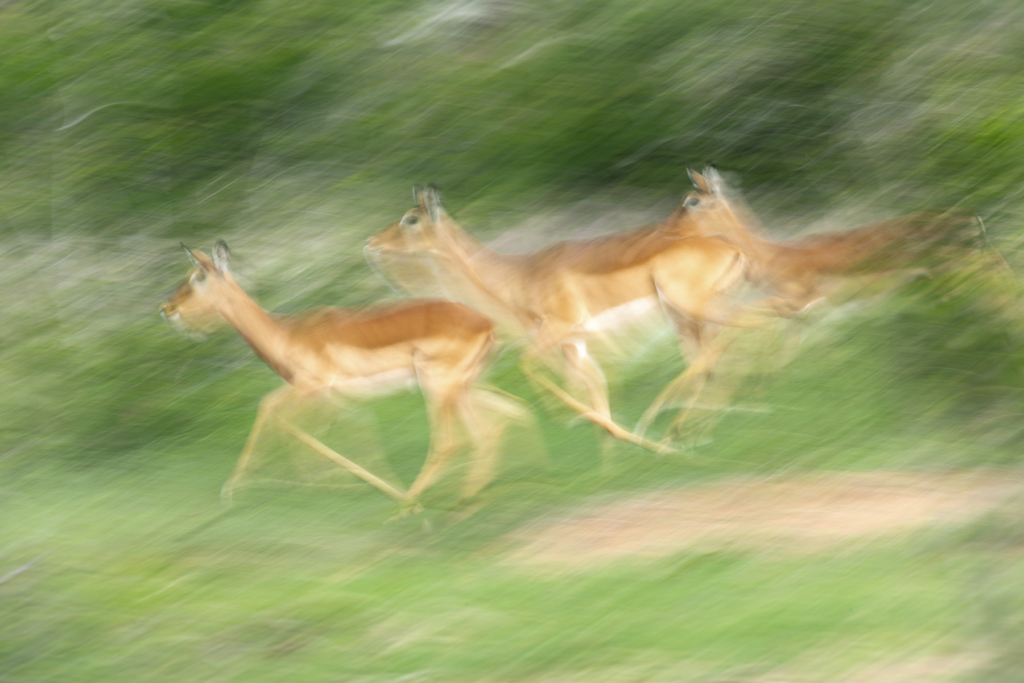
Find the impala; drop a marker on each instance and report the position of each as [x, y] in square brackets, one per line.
[565, 294]
[798, 272]
[440, 345]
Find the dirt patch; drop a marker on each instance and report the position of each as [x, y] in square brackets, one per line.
[800, 514]
[934, 669]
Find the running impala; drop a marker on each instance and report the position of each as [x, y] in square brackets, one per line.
[440, 345]
[567, 293]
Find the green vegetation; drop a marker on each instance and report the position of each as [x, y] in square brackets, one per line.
[295, 131]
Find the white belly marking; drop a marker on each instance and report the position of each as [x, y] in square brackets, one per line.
[380, 384]
[612, 318]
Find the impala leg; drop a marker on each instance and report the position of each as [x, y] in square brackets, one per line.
[602, 420]
[442, 443]
[485, 440]
[671, 390]
[697, 373]
[702, 369]
[362, 473]
[703, 366]
[691, 306]
[269, 403]
[587, 372]
[499, 411]
[709, 346]
[690, 337]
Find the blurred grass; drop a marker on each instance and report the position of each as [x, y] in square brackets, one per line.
[295, 132]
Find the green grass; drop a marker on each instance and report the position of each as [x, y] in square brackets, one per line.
[120, 563]
[143, 574]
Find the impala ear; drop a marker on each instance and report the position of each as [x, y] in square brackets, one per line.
[192, 257]
[699, 181]
[714, 179]
[221, 256]
[432, 203]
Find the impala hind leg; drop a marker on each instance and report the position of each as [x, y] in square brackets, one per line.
[585, 371]
[271, 403]
[364, 474]
[592, 377]
[483, 457]
[442, 443]
[487, 413]
[268, 404]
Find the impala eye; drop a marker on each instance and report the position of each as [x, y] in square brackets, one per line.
[410, 220]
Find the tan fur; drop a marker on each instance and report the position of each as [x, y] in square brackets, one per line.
[798, 272]
[556, 291]
[441, 345]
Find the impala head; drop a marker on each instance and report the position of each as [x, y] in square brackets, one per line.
[419, 230]
[710, 194]
[192, 307]
[711, 205]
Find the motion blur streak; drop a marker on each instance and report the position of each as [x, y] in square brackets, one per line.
[841, 499]
[564, 293]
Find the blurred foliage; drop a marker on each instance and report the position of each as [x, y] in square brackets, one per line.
[173, 112]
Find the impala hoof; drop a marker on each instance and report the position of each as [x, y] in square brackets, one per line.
[406, 509]
[665, 447]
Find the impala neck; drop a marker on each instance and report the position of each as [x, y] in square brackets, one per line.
[257, 327]
[737, 226]
[496, 274]
[757, 248]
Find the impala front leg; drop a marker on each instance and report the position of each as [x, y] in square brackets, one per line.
[693, 339]
[709, 345]
[269, 403]
[669, 393]
[702, 369]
